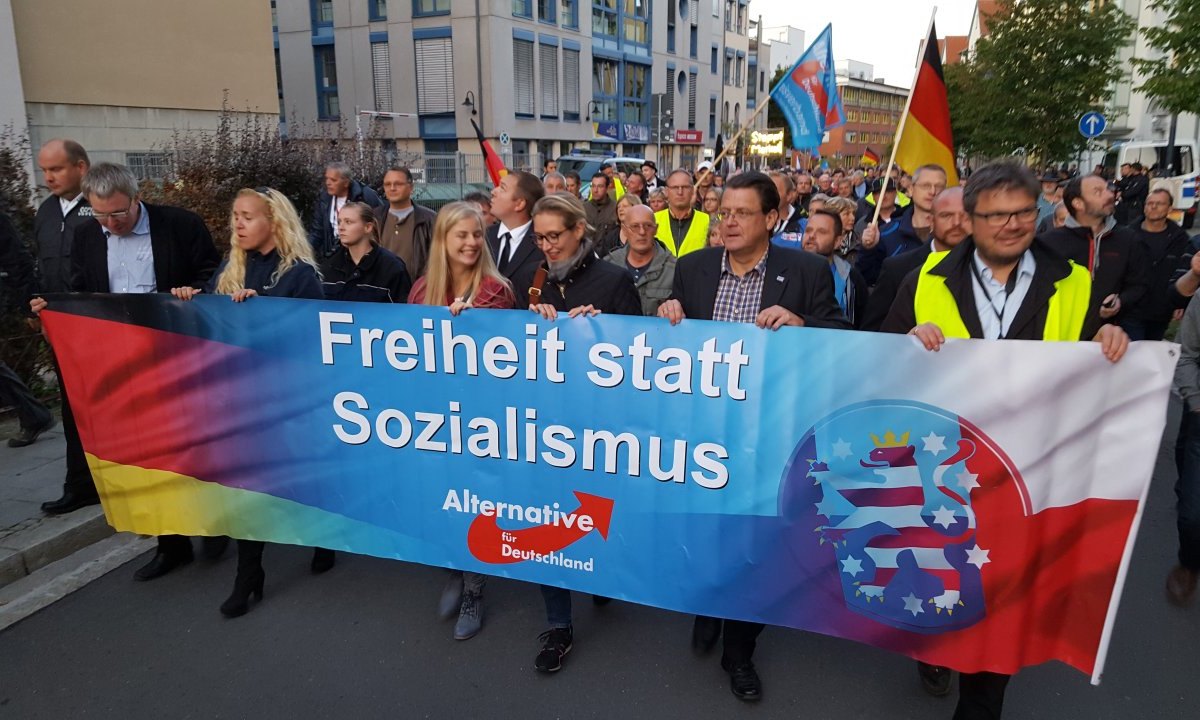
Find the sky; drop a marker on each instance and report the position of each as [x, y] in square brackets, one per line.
[884, 33]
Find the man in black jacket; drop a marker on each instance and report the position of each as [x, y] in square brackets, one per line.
[1001, 262]
[16, 280]
[1111, 254]
[510, 242]
[405, 228]
[1167, 249]
[950, 225]
[339, 189]
[749, 280]
[135, 248]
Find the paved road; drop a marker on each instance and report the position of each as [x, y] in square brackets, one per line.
[362, 642]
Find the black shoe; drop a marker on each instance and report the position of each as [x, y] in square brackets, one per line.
[29, 436]
[935, 679]
[161, 564]
[212, 548]
[705, 632]
[70, 501]
[556, 643]
[323, 561]
[743, 680]
[600, 600]
[244, 587]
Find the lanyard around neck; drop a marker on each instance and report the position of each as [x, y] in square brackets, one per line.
[1009, 287]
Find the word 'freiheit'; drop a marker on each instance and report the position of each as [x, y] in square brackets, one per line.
[437, 349]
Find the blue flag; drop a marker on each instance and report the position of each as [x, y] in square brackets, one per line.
[808, 94]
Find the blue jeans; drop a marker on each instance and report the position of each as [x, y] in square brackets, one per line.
[558, 606]
[1187, 489]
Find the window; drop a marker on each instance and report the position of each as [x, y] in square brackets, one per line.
[668, 101]
[435, 75]
[327, 92]
[274, 17]
[570, 13]
[570, 84]
[322, 13]
[636, 27]
[715, 54]
[546, 10]
[694, 40]
[728, 78]
[716, 8]
[149, 165]
[691, 101]
[523, 8]
[604, 18]
[523, 75]
[670, 26]
[740, 72]
[548, 69]
[730, 14]
[279, 83]
[637, 107]
[381, 75]
[431, 7]
[604, 88]
[712, 117]
[377, 9]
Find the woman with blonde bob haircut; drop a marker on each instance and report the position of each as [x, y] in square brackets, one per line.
[461, 273]
[269, 255]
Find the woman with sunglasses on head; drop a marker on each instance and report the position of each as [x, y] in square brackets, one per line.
[580, 284]
[269, 255]
[461, 275]
[362, 270]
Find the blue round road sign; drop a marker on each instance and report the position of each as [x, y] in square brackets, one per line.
[1091, 124]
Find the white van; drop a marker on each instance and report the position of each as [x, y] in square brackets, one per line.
[1153, 157]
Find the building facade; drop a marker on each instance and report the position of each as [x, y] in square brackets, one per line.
[92, 72]
[873, 112]
[540, 77]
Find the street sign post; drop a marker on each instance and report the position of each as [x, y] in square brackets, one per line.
[1091, 124]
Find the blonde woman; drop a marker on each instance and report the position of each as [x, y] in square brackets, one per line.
[848, 244]
[269, 255]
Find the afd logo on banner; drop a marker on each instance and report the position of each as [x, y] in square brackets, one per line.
[808, 94]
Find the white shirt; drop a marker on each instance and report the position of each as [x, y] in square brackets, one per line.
[131, 258]
[336, 204]
[69, 205]
[996, 306]
[516, 235]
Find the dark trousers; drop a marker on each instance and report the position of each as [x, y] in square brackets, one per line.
[249, 555]
[79, 475]
[1139, 329]
[740, 638]
[1187, 489]
[980, 696]
[15, 394]
[558, 605]
[175, 545]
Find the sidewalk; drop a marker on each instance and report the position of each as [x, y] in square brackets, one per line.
[29, 476]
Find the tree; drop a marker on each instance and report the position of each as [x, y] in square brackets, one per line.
[775, 116]
[1174, 78]
[1043, 64]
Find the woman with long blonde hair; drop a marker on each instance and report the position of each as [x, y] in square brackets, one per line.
[269, 254]
[461, 273]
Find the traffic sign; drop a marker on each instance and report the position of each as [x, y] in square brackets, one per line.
[1091, 124]
[504, 139]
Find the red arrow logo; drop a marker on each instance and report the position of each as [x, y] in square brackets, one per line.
[490, 543]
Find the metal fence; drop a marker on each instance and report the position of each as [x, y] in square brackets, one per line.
[444, 177]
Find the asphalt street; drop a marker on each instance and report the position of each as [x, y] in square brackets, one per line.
[362, 642]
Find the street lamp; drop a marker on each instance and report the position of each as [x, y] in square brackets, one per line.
[593, 109]
[469, 102]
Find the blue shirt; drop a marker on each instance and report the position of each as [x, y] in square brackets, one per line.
[996, 305]
[131, 258]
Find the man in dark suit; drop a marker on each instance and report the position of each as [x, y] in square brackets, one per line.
[139, 248]
[340, 188]
[950, 225]
[517, 255]
[749, 280]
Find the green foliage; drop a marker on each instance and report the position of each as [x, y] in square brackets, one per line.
[1174, 78]
[775, 116]
[1044, 63]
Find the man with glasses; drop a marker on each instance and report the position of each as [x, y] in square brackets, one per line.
[405, 228]
[137, 248]
[903, 231]
[749, 280]
[652, 267]
[1111, 254]
[999, 284]
[681, 227]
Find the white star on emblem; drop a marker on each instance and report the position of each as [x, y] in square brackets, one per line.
[852, 566]
[967, 481]
[912, 604]
[934, 443]
[977, 556]
[826, 507]
[943, 516]
[841, 449]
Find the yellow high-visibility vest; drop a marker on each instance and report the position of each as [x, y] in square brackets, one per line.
[697, 234]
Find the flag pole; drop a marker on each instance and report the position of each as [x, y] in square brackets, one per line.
[733, 141]
[887, 173]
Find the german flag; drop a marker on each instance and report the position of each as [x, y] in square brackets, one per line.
[870, 157]
[927, 138]
[495, 166]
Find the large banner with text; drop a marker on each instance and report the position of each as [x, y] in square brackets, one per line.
[974, 507]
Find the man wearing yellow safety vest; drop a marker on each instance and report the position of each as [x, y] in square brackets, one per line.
[998, 284]
[681, 228]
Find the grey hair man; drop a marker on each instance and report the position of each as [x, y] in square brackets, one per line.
[340, 188]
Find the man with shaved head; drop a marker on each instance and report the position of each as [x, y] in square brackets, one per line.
[652, 267]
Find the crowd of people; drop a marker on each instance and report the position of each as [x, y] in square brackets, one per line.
[1007, 255]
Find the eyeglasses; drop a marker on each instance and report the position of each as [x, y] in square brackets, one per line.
[740, 215]
[930, 187]
[1000, 219]
[118, 215]
[642, 227]
[679, 188]
[549, 238]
